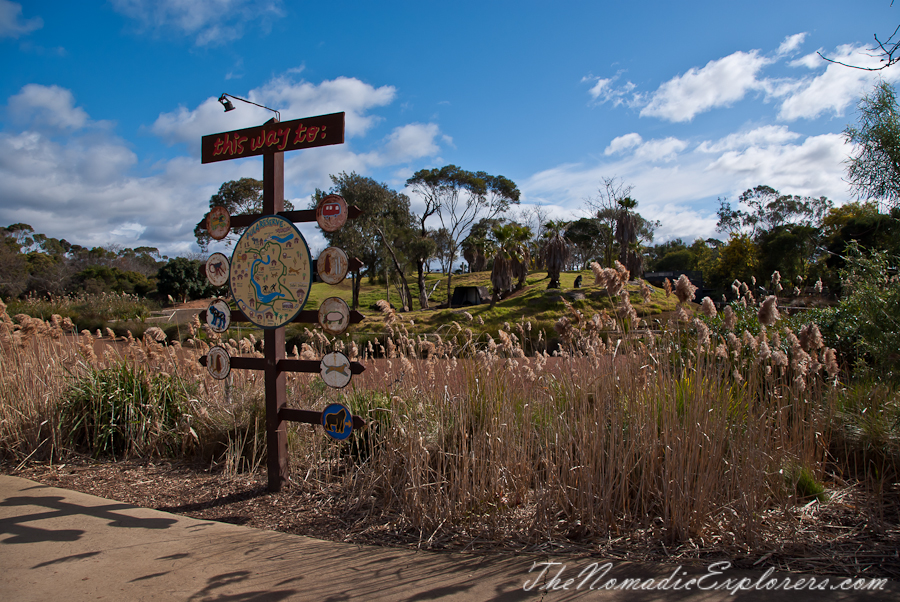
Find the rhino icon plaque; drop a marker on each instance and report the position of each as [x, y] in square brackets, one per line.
[334, 315]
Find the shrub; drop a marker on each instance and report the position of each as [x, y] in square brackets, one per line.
[122, 410]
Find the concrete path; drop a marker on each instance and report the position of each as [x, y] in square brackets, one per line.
[65, 546]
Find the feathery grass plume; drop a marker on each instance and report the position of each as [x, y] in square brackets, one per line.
[614, 284]
[831, 363]
[818, 287]
[684, 290]
[708, 308]
[155, 333]
[626, 311]
[734, 342]
[744, 289]
[776, 277]
[390, 316]
[778, 287]
[768, 311]
[622, 272]
[779, 357]
[667, 286]
[467, 316]
[750, 341]
[111, 334]
[796, 291]
[729, 318]
[810, 338]
[86, 347]
[599, 277]
[736, 288]
[753, 280]
[702, 332]
[681, 314]
[646, 292]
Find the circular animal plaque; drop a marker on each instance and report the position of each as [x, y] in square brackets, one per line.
[331, 212]
[337, 421]
[335, 370]
[218, 223]
[334, 315]
[218, 315]
[271, 272]
[218, 362]
[332, 265]
[217, 269]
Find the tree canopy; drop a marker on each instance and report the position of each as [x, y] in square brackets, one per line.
[874, 166]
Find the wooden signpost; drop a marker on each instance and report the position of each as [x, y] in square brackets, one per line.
[271, 272]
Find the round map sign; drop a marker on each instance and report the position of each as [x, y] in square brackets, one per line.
[334, 315]
[218, 362]
[218, 222]
[337, 421]
[332, 265]
[271, 272]
[335, 370]
[218, 315]
[217, 269]
[331, 213]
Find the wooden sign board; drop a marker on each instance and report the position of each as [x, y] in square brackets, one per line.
[274, 137]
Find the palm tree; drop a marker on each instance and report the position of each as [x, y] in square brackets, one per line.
[511, 258]
[555, 252]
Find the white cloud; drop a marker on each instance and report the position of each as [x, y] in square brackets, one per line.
[213, 22]
[791, 44]
[719, 83]
[408, 142]
[42, 107]
[837, 88]
[604, 90]
[665, 149]
[81, 183]
[765, 136]
[652, 150]
[11, 24]
[681, 190]
[293, 100]
[622, 143]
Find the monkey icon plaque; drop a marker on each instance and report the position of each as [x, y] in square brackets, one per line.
[217, 269]
[271, 272]
[337, 421]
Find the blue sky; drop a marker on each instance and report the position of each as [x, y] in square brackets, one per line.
[103, 104]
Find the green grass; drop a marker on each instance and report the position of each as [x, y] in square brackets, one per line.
[534, 303]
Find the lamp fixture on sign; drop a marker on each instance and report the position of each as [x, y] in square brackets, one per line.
[230, 107]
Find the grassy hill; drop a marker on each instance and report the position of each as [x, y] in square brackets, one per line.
[534, 302]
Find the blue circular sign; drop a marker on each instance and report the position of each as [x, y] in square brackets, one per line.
[337, 421]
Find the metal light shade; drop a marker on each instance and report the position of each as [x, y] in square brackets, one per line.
[226, 103]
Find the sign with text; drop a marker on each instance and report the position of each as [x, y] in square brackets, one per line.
[274, 137]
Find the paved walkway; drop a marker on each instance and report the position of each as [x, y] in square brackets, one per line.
[65, 546]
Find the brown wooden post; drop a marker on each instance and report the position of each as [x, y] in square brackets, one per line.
[276, 398]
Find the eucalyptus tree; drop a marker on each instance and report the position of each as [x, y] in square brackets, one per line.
[237, 197]
[460, 198]
[873, 169]
[385, 217]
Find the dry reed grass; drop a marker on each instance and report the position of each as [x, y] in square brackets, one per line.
[691, 437]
